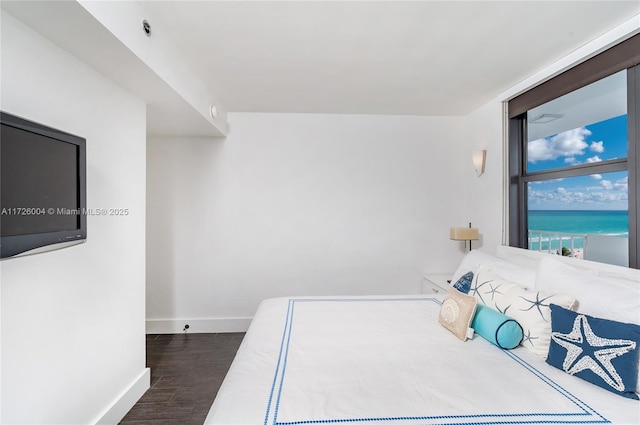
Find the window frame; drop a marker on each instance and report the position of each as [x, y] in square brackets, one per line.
[625, 55]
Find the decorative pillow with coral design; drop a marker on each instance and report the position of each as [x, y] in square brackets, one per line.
[457, 312]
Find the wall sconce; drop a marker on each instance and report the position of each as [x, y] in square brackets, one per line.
[464, 234]
[479, 159]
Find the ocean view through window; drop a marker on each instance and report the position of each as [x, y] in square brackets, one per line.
[578, 212]
[568, 232]
[574, 157]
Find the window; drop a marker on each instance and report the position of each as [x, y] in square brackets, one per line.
[573, 160]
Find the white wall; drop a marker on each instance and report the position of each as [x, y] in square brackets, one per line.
[297, 204]
[483, 130]
[73, 320]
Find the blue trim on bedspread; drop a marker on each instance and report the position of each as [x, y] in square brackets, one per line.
[588, 415]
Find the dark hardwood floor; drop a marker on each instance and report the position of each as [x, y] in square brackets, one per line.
[186, 373]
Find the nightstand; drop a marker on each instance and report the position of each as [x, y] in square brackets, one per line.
[436, 283]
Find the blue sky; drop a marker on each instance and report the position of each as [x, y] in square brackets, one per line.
[592, 143]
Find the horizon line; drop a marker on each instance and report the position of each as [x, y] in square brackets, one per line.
[579, 210]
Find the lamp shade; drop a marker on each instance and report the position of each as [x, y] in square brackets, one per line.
[464, 233]
[479, 160]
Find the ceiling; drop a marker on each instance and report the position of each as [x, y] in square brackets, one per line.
[433, 58]
[599, 101]
[374, 57]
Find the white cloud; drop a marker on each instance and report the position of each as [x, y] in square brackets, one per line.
[609, 197]
[570, 160]
[597, 147]
[596, 176]
[622, 184]
[546, 181]
[567, 144]
[605, 194]
[593, 159]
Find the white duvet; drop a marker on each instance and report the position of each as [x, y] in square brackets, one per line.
[383, 360]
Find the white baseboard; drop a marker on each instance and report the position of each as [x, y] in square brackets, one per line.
[211, 325]
[127, 399]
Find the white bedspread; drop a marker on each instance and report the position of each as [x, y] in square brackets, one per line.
[384, 360]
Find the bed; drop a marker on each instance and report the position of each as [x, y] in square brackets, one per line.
[388, 359]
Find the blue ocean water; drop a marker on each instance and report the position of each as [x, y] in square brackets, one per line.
[614, 223]
[572, 221]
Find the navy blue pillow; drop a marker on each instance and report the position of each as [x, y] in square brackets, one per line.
[603, 352]
[464, 283]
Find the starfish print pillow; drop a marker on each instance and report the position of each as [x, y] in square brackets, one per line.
[531, 310]
[603, 352]
[490, 289]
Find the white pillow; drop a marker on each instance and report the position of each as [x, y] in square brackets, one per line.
[596, 296]
[522, 260]
[531, 310]
[620, 278]
[523, 275]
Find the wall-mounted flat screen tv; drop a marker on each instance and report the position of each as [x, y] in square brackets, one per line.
[42, 187]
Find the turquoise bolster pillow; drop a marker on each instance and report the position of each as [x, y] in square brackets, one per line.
[497, 328]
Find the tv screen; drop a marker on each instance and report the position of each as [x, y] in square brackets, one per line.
[42, 187]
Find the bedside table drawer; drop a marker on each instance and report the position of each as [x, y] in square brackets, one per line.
[436, 283]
